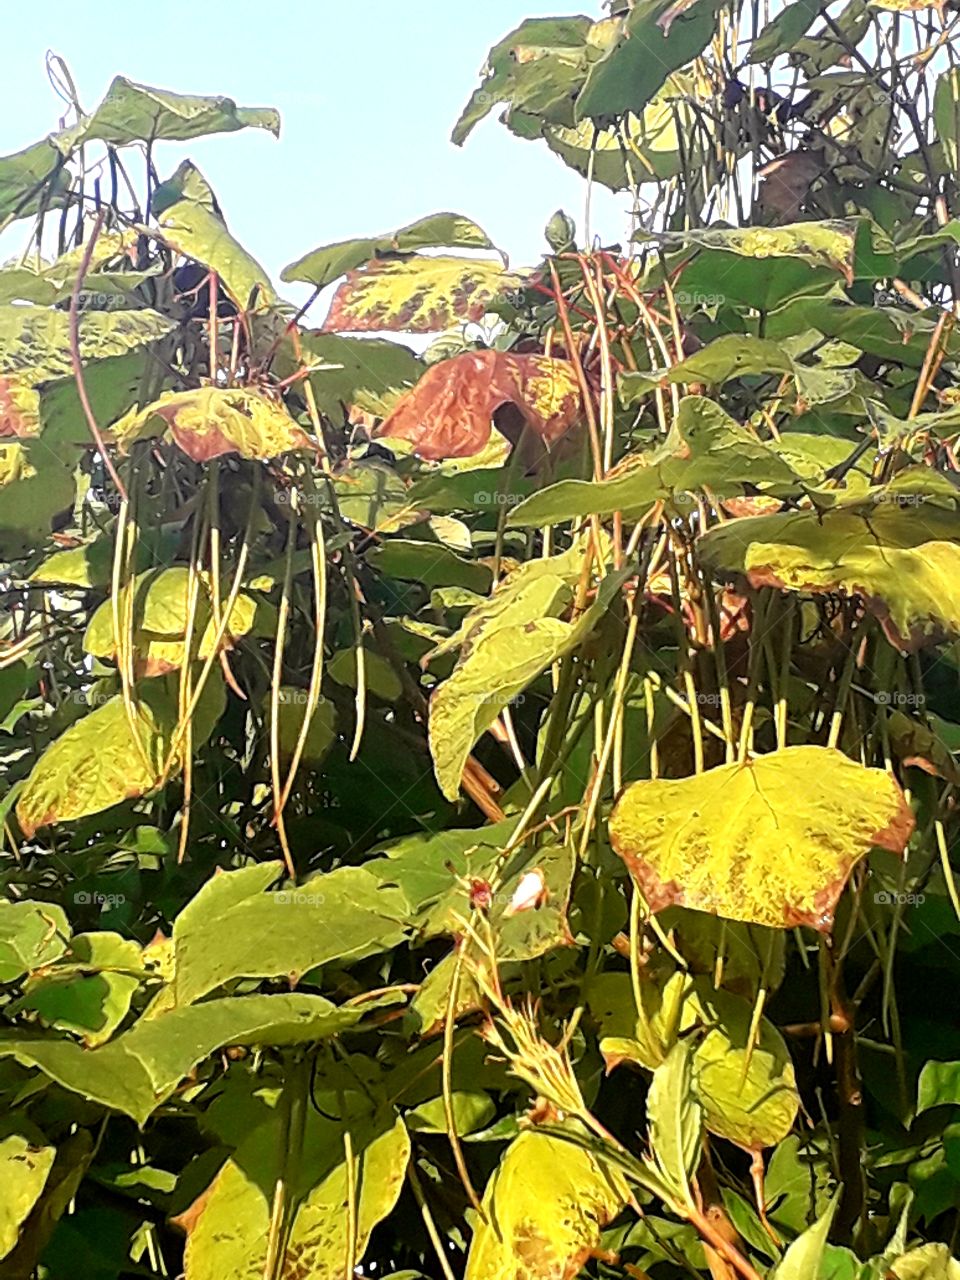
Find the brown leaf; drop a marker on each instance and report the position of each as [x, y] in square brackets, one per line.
[449, 413]
[785, 182]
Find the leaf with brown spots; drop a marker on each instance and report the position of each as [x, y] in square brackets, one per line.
[770, 841]
[417, 295]
[449, 413]
[903, 560]
[210, 421]
[228, 1235]
[546, 1205]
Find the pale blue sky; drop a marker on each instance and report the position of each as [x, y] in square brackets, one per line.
[368, 91]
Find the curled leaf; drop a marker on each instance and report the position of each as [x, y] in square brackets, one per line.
[208, 422]
[449, 413]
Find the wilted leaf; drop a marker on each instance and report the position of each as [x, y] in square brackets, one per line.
[440, 230]
[96, 763]
[210, 421]
[769, 841]
[417, 295]
[546, 1204]
[449, 413]
[903, 561]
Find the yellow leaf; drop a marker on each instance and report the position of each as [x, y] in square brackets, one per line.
[770, 841]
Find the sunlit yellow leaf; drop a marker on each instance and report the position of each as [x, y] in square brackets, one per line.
[770, 841]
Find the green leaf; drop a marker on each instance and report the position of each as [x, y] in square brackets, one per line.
[762, 267]
[902, 337]
[418, 295]
[545, 1206]
[644, 1035]
[32, 934]
[139, 1070]
[939, 1085]
[324, 265]
[705, 448]
[429, 563]
[780, 35]
[89, 989]
[195, 231]
[368, 374]
[506, 77]
[802, 1261]
[24, 174]
[232, 929]
[132, 112]
[41, 487]
[322, 733]
[229, 1236]
[471, 1111]
[732, 356]
[185, 183]
[770, 841]
[748, 1097]
[26, 1159]
[501, 662]
[372, 495]
[946, 115]
[657, 37]
[676, 1122]
[903, 560]
[112, 386]
[657, 141]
